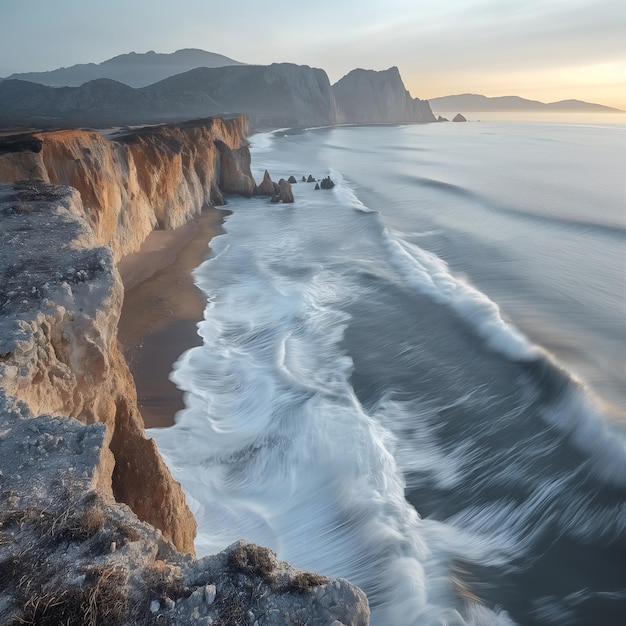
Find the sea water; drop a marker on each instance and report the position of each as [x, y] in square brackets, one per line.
[415, 380]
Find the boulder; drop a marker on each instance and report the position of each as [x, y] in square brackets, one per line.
[317, 186]
[442, 119]
[459, 118]
[292, 180]
[310, 179]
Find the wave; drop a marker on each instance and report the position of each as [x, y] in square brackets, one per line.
[612, 230]
[369, 415]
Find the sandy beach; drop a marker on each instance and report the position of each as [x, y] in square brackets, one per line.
[162, 307]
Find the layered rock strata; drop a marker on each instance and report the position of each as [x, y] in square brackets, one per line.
[155, 177]
[59, 306]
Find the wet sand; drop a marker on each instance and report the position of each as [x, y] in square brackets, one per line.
[162, 307]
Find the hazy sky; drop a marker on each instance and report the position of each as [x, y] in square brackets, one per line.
[542, 49]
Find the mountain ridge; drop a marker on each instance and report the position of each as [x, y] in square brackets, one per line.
[134, 69]
[272, 96]
[469, 102]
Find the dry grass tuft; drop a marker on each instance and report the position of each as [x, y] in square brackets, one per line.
[100, 601]
[304, 582]
[252, 560]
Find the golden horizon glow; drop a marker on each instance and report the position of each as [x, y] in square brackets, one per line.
[602, 83]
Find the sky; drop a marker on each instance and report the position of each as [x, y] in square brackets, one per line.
[544, 50]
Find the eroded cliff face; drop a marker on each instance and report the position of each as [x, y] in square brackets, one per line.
[59, 306]
[154, 177]
[75, 494]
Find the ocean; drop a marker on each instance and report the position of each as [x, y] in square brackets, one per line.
[416, 380]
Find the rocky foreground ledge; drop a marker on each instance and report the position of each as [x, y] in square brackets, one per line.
[69, 554]
[93, 529]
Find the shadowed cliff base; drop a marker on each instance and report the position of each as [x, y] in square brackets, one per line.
[162, 307]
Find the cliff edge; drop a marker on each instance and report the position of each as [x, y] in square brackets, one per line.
[93, 529]
[371, 97]
[60, 304]
[139, 180]
[70, 555]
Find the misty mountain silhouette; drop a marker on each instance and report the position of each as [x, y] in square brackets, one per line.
[475, 102]
[277, 95]
[133, 69]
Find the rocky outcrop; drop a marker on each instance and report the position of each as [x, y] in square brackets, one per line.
[154, 177]
[266, 188]
[59, 307]
[284, 191]
[370, 97]
[89, 514]
[459, 118]
[327, 183]
[71, 555]
[279, 192]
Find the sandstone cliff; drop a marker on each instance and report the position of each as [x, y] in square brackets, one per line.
[70, 550]
[370, 97]
[59, 306]
[155, 177]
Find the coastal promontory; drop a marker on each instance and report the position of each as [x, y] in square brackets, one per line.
[93, 528]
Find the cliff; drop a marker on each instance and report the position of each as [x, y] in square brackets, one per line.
[370, 97]
[155, 177]
[277, 95]
[281, 94]
[69, 554]
[60, 303]
[93, 529]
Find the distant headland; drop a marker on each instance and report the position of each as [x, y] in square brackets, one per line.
[152, 88]
[470, 102]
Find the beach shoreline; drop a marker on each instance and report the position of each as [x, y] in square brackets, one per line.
[161, 310]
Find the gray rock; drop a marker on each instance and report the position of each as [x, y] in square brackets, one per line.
[368, 96]
[327, 183]
[285, 192]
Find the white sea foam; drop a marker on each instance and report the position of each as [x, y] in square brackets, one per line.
[275, 447]
[430, 275]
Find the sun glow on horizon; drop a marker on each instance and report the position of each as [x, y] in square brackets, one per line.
[601, 83]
